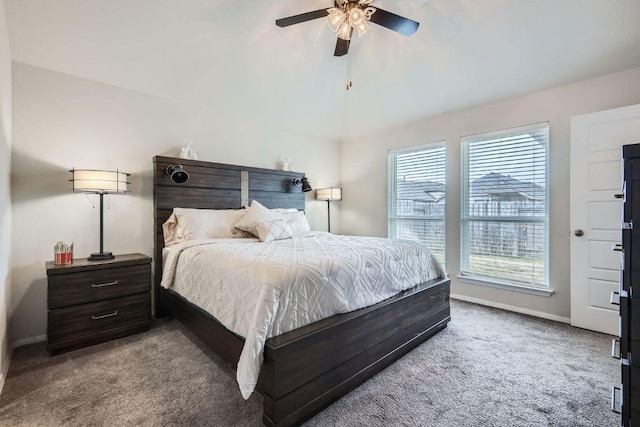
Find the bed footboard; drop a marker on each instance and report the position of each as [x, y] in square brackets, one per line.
[308, 368]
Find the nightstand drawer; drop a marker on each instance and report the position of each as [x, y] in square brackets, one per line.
[72, 323]
[88, 286]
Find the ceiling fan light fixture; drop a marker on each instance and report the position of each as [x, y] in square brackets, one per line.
[345, 31]
[349, 16]
[368, 12]
[356, 16]
[335, 19]
[362, 28]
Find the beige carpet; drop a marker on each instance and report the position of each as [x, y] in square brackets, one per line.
[488, 368]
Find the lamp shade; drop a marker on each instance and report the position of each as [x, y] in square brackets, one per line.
[329, 194]
[99, 181]
[306, 186]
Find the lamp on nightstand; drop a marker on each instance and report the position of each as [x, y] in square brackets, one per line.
[329, 194]
[99, 182]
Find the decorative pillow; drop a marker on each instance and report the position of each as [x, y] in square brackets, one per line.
[256, 212]
[273, 230]
[297, 221]
[191, 224]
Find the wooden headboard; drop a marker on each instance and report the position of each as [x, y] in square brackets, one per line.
[215, 186]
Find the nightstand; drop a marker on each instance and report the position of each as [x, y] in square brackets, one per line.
[90, 302]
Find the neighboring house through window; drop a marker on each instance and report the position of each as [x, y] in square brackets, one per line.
[417, 196]
[504, 206]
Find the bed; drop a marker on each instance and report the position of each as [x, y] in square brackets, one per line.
[305, 369]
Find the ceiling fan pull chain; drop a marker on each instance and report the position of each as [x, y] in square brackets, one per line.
[347, 72]
[349, 60]
[349, 82]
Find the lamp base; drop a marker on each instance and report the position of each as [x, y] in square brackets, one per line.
[101, 256]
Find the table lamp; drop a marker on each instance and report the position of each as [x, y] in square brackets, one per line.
[99, 182]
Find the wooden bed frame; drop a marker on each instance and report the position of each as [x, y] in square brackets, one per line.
[307, 369]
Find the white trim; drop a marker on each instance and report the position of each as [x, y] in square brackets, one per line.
[27, 341]
[495, 283]
[507, 307]
[428, 145]
[5, 368]
[504, 132]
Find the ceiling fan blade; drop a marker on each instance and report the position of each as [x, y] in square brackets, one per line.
[394, 22]
[342, 47]
[304, 17]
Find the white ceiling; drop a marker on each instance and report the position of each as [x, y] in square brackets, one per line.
[228, 56]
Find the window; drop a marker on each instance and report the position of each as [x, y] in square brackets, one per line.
[416, 196]
[504, 209]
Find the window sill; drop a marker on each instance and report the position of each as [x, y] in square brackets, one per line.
[473, 280]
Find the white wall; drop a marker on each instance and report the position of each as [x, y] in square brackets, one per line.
[364, 173]
[5, 194]
[61, 121]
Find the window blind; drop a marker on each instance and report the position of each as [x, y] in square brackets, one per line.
[504, 209]
[417, 196]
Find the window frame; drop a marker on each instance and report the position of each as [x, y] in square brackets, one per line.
[392, 215]
[465, 218]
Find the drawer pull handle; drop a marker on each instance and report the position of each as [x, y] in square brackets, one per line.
[619, 195]
[614, 343]
[613, 297]
[617, 247]
[613, 399]
[104, 316]
[102, 285]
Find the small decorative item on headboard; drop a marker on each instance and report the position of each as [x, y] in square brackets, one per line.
[187, 152]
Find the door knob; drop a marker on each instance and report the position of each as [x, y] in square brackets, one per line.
[578, 232]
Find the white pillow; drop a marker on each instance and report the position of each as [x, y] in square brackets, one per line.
[297, 221]
[256, 212]
[279, 211]
[273, 230]
[191, 224]
[170, 230]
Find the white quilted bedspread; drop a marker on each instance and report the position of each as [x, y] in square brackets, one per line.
[260, 290]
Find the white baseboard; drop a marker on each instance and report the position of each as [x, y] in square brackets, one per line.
[512, 308]
[27, 341]
[5, 368]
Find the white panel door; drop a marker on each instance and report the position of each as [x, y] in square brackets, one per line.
[596, 175]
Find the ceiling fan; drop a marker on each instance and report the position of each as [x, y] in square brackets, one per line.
[347, 15]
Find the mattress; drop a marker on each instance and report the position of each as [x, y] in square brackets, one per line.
[260, 290]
